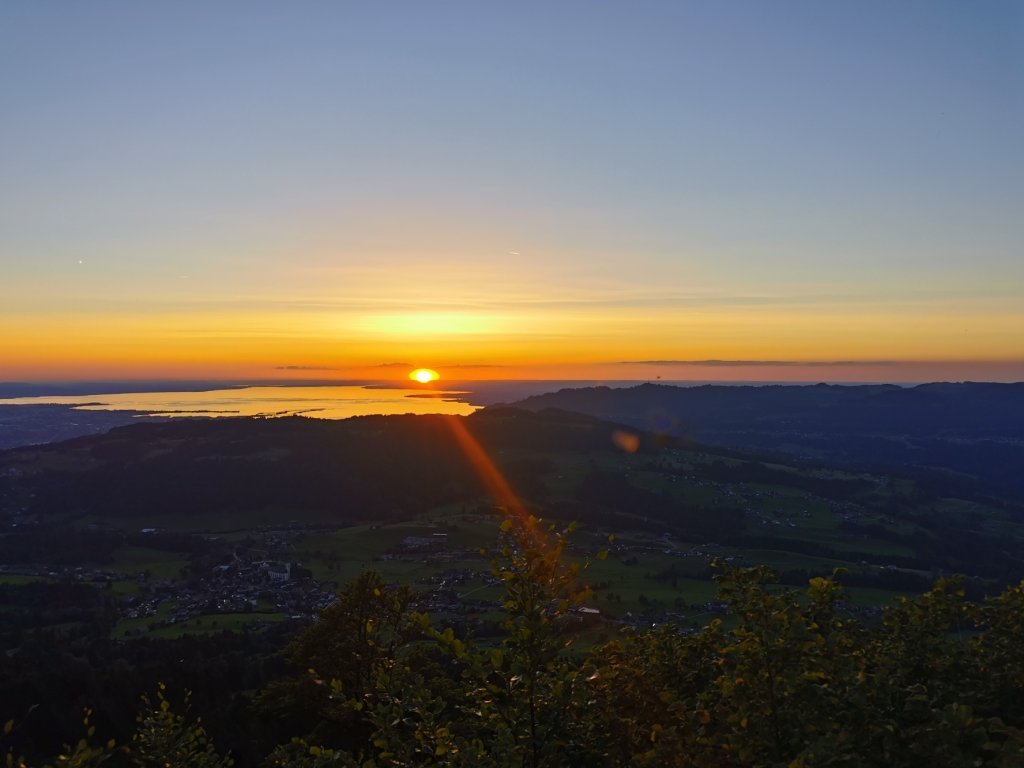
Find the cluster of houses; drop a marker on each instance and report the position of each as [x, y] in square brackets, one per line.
[429, 550]
[266, 586]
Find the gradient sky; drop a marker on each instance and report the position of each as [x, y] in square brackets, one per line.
[823, 191]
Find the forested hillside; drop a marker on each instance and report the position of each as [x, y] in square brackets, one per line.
[786, 679]
[951, 432]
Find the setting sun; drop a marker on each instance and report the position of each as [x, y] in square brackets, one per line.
[424, 375]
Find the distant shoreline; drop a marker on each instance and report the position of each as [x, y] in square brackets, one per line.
[15, 389]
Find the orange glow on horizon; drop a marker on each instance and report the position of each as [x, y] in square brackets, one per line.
[545, 344]
[196, 369]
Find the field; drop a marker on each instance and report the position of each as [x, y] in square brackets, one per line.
[157, 563]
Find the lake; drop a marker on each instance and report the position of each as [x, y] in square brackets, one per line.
[322, 402]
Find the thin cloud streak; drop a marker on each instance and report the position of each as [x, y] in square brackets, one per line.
[758, 363]
[304, 368]
[514, 301]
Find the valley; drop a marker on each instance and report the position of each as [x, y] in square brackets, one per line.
[203, 526]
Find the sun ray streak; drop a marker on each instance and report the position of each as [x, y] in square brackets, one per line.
[508, 502]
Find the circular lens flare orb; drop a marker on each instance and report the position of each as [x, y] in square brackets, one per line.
[424, 375]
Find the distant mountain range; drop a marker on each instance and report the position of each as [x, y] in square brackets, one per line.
[975, 430]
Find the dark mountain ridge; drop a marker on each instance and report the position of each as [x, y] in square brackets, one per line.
[941, 408]
[363, 468]
[975, 429]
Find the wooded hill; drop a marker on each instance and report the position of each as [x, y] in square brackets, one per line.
[957, 432]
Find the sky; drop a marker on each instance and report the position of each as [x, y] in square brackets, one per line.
[594, 190]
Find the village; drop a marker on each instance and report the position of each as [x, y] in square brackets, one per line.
[257, 577]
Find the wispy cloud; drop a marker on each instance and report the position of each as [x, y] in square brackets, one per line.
[456, 366]
[304, 368]
[758, 363]
[513, 299]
